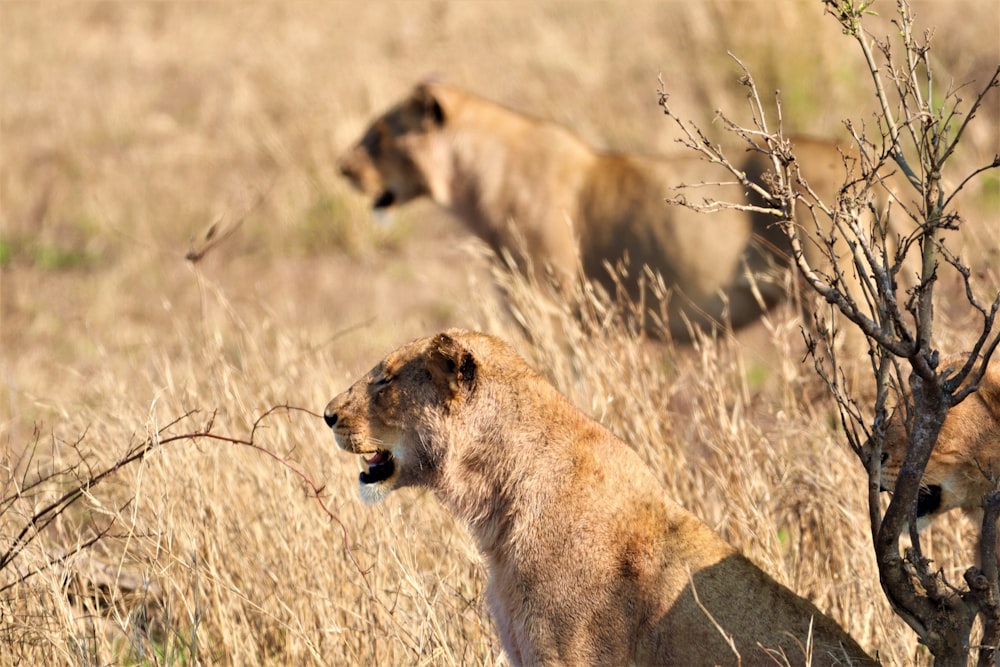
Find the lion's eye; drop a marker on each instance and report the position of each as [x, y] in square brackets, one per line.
[373, 140]
[381, 384]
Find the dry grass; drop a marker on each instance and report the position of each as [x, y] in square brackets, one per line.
[127, 130]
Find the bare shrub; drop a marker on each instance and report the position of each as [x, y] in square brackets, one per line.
[915, 131]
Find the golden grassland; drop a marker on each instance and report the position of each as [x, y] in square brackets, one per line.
[132, 133]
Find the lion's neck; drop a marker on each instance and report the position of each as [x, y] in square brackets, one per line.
[497, 172]
[503, 469]
[475, 190]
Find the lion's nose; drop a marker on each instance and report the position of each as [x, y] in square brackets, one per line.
[345, 166]
[330, 417]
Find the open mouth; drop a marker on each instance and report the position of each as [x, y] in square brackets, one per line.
[380, 468]
[928, 500]
[385, 200]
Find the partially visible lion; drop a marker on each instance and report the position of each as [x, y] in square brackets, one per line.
[589, 562]
[965, 463]
[537, 190]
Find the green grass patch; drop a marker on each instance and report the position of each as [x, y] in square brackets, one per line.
[990, 189]
[329, 224]
[54, 258]
[333, 223]
[44, 256]
[6, 252]
[757, 375]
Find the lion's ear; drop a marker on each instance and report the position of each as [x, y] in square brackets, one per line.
[430, 107]
[451, 365]
[989, 388]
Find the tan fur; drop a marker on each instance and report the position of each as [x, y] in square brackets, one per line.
[589, 562]
[537, 190]
[966, 459]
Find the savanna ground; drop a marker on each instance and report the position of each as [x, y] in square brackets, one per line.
[133, 132]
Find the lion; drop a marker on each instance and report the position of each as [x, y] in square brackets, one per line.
[589, 561]
[965, 463]
[536, 190]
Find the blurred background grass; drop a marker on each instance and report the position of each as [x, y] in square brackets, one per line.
[128, 131]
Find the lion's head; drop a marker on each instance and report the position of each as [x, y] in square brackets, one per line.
[966, 458]
[387, 416]
[929, 499]
[387, 164]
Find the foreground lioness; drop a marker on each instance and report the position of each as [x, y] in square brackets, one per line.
[589, 561]
[965, 462]
[535, 189]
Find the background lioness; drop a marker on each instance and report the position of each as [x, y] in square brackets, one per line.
[589, 561]
[965, 463]
[535, 189]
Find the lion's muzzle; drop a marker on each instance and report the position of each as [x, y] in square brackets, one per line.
[379, 464]
[358, 169]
